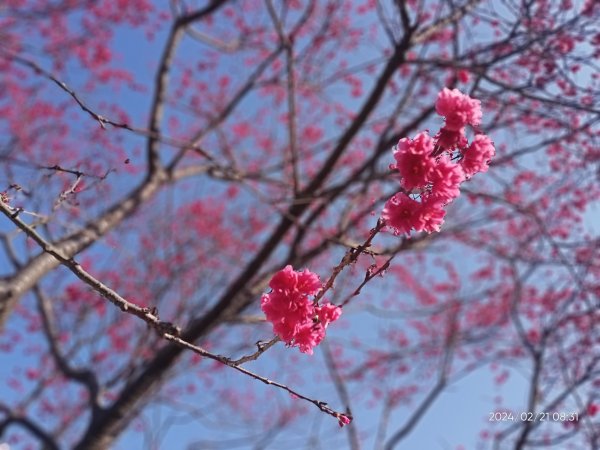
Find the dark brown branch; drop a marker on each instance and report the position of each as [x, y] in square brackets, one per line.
[162, 79]
[429, 399]
[231, 302]
[158, 100]
[43, 437]
[84, 376]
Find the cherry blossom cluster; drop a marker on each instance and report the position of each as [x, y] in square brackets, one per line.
[298, 320]
[432, 169]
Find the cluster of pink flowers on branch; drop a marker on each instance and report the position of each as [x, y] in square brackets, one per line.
[432, 169]
[297, 320]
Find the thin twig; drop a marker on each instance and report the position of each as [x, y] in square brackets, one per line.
[262, 347]
[288, 45]
[167, 330]
[340, 387]
[350, 257]
[101, 119]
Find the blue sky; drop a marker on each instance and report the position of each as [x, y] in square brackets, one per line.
[455, 418]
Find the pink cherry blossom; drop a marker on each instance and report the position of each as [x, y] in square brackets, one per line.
[289, 280]
[413, 161]
[404, 214]
[463, 76]
[328, 313]
[478, 155]
[294, 316]
[431, 215]
[343, 420]
[459, 109]
[432, 169]
[312, 331]
[448, 139]
[445, 179]
[401, 213]
[308, 336]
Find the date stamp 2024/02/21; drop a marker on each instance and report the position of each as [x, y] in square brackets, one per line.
[526, 416]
